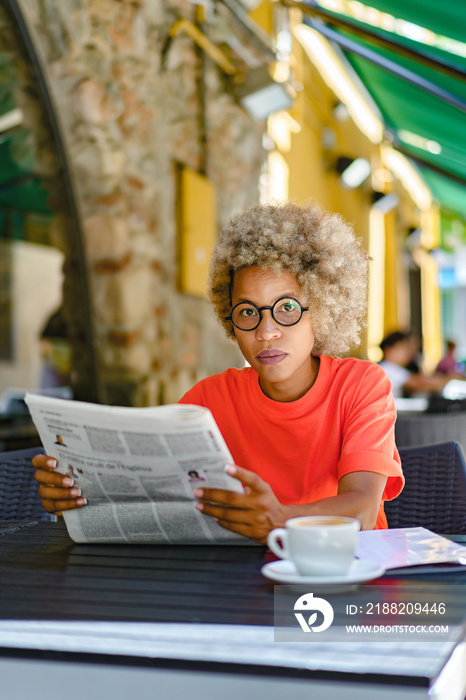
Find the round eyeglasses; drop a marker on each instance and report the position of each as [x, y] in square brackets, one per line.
[286, 311]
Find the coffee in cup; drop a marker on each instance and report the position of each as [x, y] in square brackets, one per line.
[318, 520]
[318, 545]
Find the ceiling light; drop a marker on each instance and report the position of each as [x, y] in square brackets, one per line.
[261, 95]
[354, 173]
[329, 138]
[340, 112]
[385, 203]
[413, 239]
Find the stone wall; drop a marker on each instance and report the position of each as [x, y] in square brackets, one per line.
[127, 117]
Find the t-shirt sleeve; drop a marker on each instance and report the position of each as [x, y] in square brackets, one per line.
[368, 442]
[194, 396]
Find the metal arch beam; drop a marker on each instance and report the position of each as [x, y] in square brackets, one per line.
[16, 14]
[257, 35]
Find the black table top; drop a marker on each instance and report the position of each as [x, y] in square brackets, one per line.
[45, 576]
[40, 565]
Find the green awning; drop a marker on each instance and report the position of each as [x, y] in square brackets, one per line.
[444, 18]
[452, 195]
[452, 232]
[425, 110]
[20, 188]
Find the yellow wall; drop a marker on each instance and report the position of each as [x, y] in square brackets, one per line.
[391, 316]
[197, 230]
[263, 15]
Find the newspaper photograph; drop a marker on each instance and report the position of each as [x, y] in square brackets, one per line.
[138, 468]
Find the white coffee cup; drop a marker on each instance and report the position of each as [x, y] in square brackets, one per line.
[318, 545]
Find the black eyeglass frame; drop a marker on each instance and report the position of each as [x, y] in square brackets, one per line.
[260, 309]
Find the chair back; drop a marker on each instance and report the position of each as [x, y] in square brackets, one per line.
[414, 429]
[434, 495]
[19, 499]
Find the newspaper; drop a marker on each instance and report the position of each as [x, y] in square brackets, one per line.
[138, 468]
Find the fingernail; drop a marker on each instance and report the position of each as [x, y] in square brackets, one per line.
[200, 506]
[52, 463]
[68, 481]
[230, 469]
[81, 502]
[75, 492]
[198, 493]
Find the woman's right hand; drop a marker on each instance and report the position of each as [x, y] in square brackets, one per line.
[57, 491]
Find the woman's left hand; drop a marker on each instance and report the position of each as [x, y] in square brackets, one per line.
[252, 513]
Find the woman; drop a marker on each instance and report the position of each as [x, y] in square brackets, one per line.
[310, 433]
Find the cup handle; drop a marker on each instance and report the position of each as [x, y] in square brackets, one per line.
[272, 541]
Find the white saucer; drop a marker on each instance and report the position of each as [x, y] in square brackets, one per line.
[284, 571]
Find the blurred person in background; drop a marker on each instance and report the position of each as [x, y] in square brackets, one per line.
[400, 350]
[55, 350]
[448, 364]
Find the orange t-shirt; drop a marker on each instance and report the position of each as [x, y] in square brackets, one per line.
[343, 424]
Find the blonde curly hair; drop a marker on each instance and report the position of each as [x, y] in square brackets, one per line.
[318, 248]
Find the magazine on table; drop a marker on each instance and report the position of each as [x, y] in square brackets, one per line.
[412, 550]
[138, 468]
